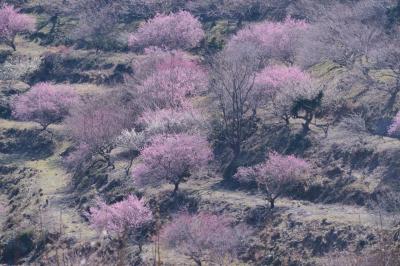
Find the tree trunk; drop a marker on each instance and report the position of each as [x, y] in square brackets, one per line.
[128, 169]
[121, 251]
[272, 203]
[198, 262]
[176, 187]
[392, 99]
[287, 119]
[54, 22]
[140, 247]
[12, 45]
[105, 154]
[230, 170]
[306, 125]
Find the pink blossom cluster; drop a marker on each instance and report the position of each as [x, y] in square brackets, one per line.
[127, 216]
[175, 31]
[276, 174]
[204, 236]
[96, 122]
[284, 85]
[171, 83]
[146, 64]
[171, 158]
[274, 78]
[274, 39]
[44, 103]
[12, 23]
[395, 126]
[278, 169]
[282, 169]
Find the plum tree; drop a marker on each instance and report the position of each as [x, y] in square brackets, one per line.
[176, 31]
[278, 40]
[236, 96]
[123, 219]
[13, 23]
[97, 21]
[96, 122]
[159, 122]
[234, 75]
[348, 35]
[205, 237]
[172, 80]
[45, 104]
[275, 175]
[172, 159]
[292, 92]
[345, 33]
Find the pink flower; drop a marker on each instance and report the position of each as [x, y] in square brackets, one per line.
[168, 79]
[204, 236]
[178, 30]
[172, 158]
[12, 23]
[44, 103]
[127, 216]
[276, 174]
[274, 39]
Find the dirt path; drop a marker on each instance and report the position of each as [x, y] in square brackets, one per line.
[53, 181]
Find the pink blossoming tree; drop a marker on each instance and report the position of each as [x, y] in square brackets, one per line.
[172, 159]
[122, 219]
[278, 40]
[395, 126]
[173, 80]
[147, 63]
[175, 31]
[159, 122]
[12, 23]
[44, 103]
[284, 85]
[96, 122]
[204, 237]
[275, 175]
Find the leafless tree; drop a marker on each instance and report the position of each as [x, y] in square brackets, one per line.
[345, 33]
[55, 9]
[97, 20]
[237, 98]
[349, 34]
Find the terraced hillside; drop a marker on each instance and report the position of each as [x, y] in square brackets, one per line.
[234, 132]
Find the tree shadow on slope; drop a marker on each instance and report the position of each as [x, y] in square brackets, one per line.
[26, 144]
[269, 137]
[166, 205]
